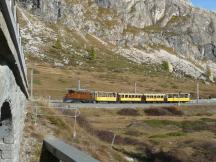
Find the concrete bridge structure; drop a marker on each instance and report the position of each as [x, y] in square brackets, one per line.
[13, 83]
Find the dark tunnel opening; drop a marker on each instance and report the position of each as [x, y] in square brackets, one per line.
[5, 120]
[5, 112]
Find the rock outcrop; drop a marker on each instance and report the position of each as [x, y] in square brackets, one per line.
[174, 26]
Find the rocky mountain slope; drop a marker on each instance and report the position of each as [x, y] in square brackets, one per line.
[143, 31]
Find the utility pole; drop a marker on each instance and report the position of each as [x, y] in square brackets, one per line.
[179, 102]
[113, 140]
[32, 73]
[197, 89]
[78, 84]
[75, 121]
[135, 88]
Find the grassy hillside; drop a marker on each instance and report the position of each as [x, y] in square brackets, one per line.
[164, 134]
[53, 81]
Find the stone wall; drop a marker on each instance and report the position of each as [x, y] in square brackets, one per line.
[12, 104]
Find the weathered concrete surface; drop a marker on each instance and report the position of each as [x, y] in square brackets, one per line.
[56, 150]
[10, 55]
[11, 94]
[13, 83]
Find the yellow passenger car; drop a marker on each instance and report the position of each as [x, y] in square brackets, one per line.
[178, 97]
[154, 97]
[130, 97]
[105, 96]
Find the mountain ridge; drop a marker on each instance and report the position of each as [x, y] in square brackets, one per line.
[152, 26]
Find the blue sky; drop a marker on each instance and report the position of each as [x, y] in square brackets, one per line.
[207, 4]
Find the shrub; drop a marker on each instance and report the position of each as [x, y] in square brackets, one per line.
[157, 112]
[105, 135]
[58, 44]
[174, 110]
[208, 72]
[128, 112]
[165, 66]
[92, 53]
[162, 111]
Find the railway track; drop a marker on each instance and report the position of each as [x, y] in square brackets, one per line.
[59, 103]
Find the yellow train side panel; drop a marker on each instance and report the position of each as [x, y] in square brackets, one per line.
[130, 99]
[154, 99]
[106, 99]
[178, 99]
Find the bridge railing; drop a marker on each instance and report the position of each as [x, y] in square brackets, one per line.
[8, 9]
[56, 150]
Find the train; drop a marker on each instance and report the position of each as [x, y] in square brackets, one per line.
[87, 96]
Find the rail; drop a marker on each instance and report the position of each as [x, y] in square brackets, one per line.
[11, 32]
[56, 150]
